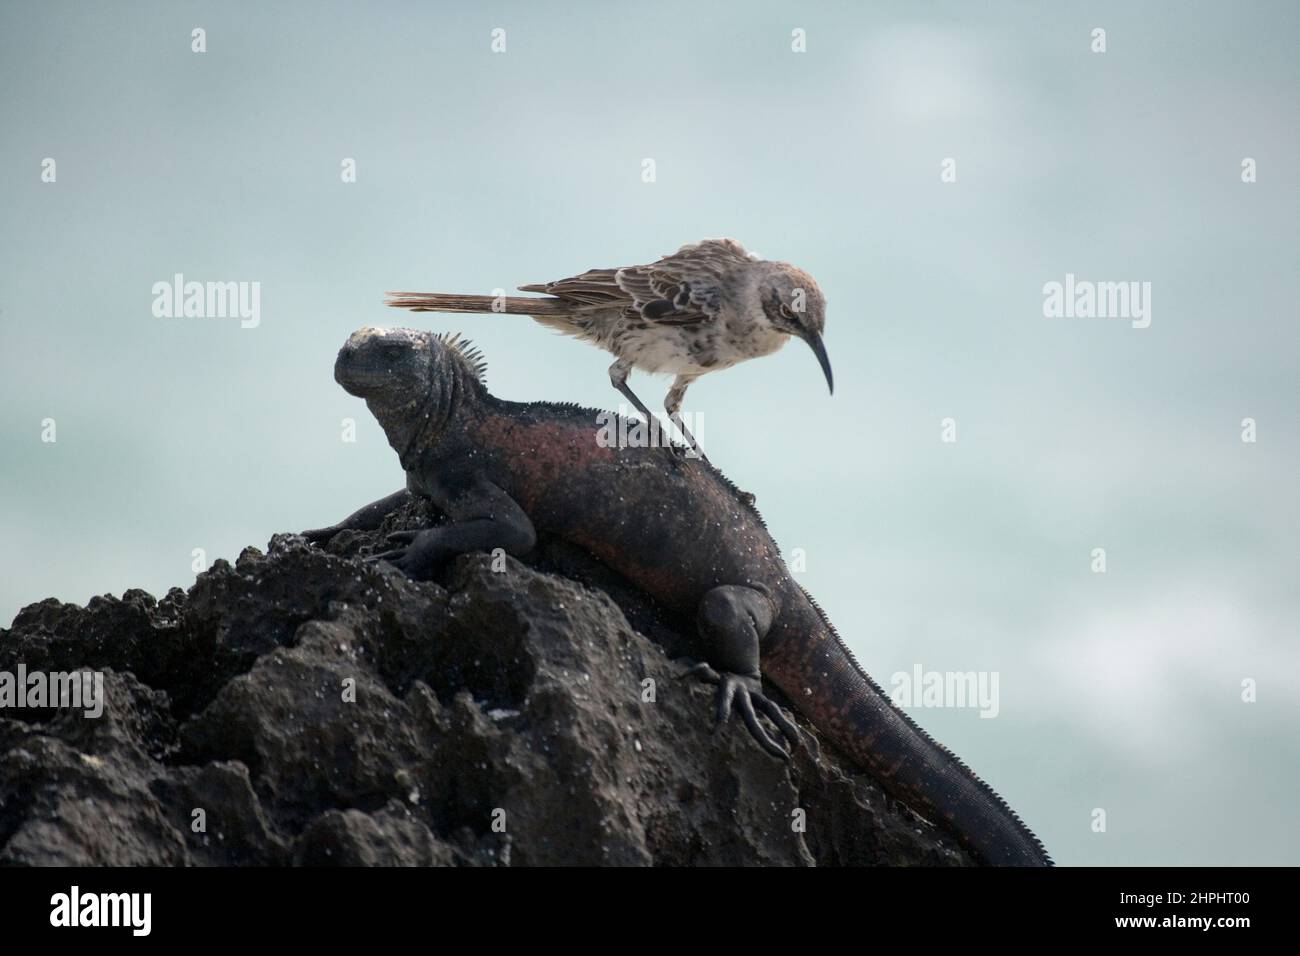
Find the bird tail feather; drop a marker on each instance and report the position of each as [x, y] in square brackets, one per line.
[538, 307]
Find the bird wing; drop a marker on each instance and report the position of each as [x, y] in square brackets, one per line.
[595, 287]
[683, 288]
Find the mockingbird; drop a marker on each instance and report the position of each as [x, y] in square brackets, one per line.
[708, 306]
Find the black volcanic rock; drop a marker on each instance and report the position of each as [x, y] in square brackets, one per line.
[310, 708]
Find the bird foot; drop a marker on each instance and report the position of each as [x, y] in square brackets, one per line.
[685, 452]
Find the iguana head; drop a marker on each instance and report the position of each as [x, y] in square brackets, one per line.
[411, 381]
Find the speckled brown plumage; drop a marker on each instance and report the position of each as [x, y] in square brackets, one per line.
[706, 307]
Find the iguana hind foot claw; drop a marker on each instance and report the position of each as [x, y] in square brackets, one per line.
[743, 693]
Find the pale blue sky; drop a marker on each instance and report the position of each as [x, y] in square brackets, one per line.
[478, 170]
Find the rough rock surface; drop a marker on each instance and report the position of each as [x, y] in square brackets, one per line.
[310, 708]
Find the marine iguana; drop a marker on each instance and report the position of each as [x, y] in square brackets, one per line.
[673, 526]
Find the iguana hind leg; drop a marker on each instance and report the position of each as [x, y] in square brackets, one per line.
[732, 620]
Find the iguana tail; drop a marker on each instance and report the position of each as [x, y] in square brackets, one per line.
[824, 681]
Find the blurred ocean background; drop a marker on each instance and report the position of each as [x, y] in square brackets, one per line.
[478, 170]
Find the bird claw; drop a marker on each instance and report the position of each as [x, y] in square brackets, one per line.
[679, 452]
[684, 453]
[744, 694]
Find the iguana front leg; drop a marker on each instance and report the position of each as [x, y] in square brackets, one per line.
[363, 519]
[732, 619]
[481, 517]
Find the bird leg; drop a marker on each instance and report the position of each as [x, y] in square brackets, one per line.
[618, 373]
[673, 405]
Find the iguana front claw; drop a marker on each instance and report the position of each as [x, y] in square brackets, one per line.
[743, 693]
[321, 535]
[416, 555]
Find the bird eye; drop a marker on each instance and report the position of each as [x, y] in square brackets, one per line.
[785, 312]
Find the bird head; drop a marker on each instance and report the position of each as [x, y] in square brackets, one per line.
[794, 305]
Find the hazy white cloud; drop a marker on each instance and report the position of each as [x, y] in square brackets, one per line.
[925, 74]
[1152, 679]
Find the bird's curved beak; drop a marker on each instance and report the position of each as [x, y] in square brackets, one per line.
[814, 341]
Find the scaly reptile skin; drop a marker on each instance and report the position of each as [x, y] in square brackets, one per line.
[674, 527]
